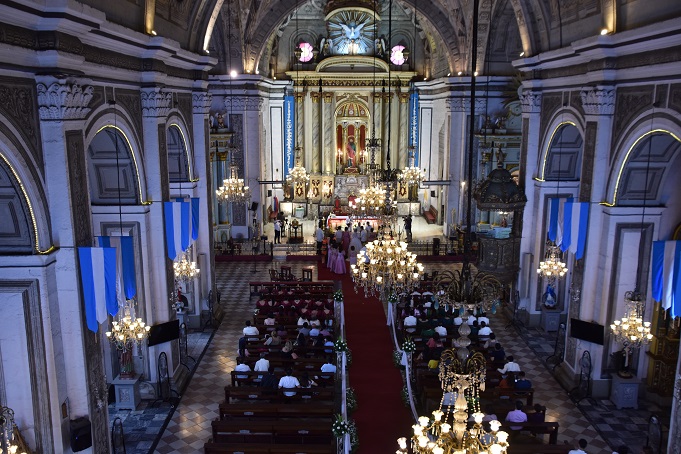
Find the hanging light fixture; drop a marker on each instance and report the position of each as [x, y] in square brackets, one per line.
[184, 269]
[631, 331]
[7, 427]
[233, 189]
[298, 174]
[385, 267]
[412, 174]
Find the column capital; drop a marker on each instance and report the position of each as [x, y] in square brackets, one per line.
[155, 102]
[530, 101]
[243, 103]
[463, 104]
[328, 97]
[598, 100]
[63, 100]
[201, 103]
[315, 96]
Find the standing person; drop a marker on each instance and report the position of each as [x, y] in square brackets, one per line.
[346, 240]
[407, 227]
[277, 231]
[363, 234]
[319, 238]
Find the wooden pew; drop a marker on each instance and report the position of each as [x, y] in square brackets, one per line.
[261, 448]
[299, 431]
[547, 427]
[511, 393]
[275, 411]
[255, 393]
[322, 378]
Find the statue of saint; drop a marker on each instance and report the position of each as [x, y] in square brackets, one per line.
[351, 150]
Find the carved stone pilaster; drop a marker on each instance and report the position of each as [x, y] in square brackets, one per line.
[456, 104]
[201, 103]
[404, 98]
[300, 97]
[155, 102]
[243, 103]
[328, 97]
[64, 101]
[530, 101]
[315, 96]
[598, 101]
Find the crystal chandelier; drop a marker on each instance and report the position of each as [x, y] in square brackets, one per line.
[552, 267]
[184, 269]
[447, 431]
[127, 330]
[7, 427]
[298, 174]
[631, 331]
[233, 189]
[412, 174]
[386, 267]
[370, 201]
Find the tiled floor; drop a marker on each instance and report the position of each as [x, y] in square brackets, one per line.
[189, 426]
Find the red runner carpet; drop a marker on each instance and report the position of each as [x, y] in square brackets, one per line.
[381, 416]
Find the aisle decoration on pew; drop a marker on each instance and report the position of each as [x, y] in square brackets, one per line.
[340, 426]
[338, 295]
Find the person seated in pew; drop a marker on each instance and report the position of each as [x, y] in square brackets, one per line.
[315, 322]
[306, 382]
[539, 414]
[507, 382]
[517, 415]
[250, 330]
[328, 367]
[410, 322]
[287, 351]
[490, 343]
[273, 340]
[522, 382]
[241, 367]
[441, 330]
[510, 366]
[314, 332]
[580, 448]
[328, 345]
[303, 322]
[269, 322]
[498, 355]
[269, 381]
[484, 331]
[281, 331]
[261, 365]
[288, 382]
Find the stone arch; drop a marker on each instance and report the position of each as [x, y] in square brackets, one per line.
[22, 200]
[180, 157]
[657, 135]
[561, 152]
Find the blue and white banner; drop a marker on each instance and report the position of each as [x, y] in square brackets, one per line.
[666, 275]
[289, 130]
[414, 124]
[125, 262]
[98, 280]
[568, 224]
[178, 227]
[195, 218]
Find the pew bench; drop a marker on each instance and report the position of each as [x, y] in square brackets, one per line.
[255, 393]
[261, 410]
[430, 215]
[265, 448]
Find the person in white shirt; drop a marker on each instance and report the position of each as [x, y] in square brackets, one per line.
[339, 234]
[470, 320]
[277, 231]
[328, 366]
[510, 366]
[517, 415]
[288, 381]
[485, 330]
[261, 365]
[241, 367]
[409, 323]
[363, 234]
[314, 332]
[319, 237]
[441, 330]
[582, 446]
[250, 330]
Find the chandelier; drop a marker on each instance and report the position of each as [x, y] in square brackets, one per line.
[298, 174]
[412, 174]
[127, 330]
[7, 428]
[185, 270]
[447, 431]
[386, 267]
[552, 267]
[370, 201]
[631, 331]
[233, 189]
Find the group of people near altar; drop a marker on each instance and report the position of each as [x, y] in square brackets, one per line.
[344, 245]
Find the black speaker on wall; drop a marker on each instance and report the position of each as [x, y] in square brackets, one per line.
[432, 193]
[81, 434]
[254, 206]
[269, 193]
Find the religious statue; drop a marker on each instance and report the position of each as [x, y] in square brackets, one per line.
[500, 157]
[351, 149]
[325, 47]
[549, 297]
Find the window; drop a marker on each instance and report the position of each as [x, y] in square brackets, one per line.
[305, 52]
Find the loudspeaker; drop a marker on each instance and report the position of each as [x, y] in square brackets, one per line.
[254, 206]
[269, 193]
[432, 193]
[81, 434]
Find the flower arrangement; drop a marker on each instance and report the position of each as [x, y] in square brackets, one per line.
[397, 359]
[348, 357]
[409, 345]
[340, 345]
[393, 298]
[338, 295]
[340, 427]
[354, 438]
[351, 400]
[405, 397]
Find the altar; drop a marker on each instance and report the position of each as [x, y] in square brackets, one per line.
[338, 220]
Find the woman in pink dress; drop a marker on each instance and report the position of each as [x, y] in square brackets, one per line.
[331, 258]
[339, 267]
[346, 240]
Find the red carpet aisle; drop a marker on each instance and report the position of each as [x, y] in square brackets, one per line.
[381, 416]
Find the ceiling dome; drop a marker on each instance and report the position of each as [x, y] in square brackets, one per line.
[499, 192]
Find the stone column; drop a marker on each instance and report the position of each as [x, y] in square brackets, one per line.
[252, 144]
[159, 280]
[300, 121]
[456, 170]
[385, 129]
[328, 134]
[403, 131]
[317, 125]
[63, 106]
[532, 240]
[201, 103]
